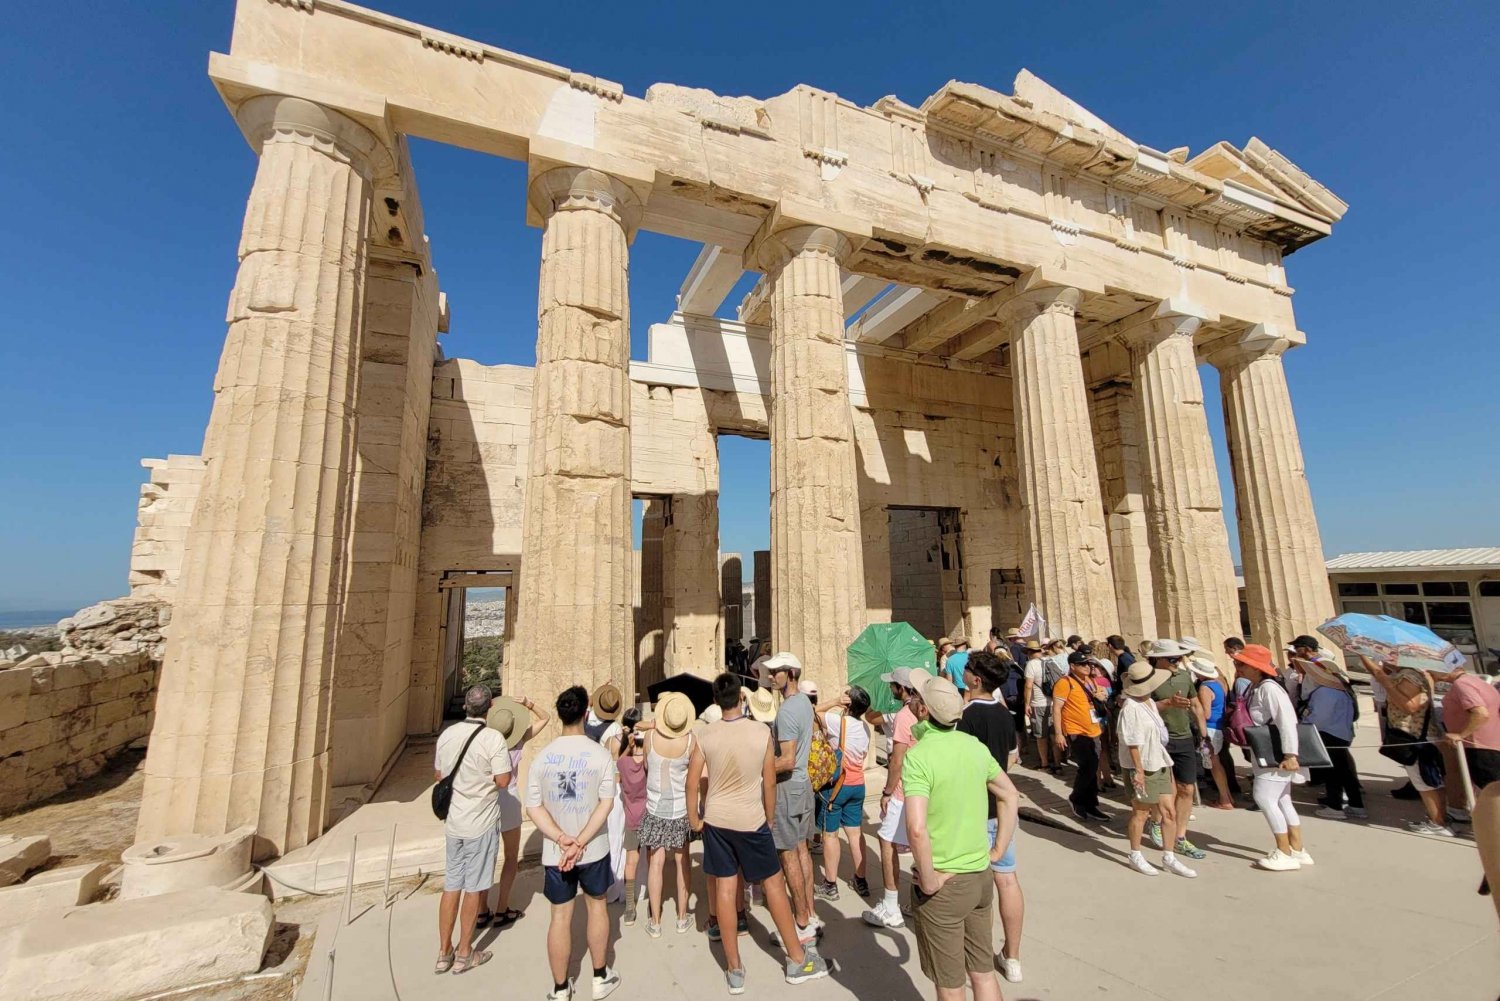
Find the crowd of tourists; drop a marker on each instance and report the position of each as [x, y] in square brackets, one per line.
[773, 780]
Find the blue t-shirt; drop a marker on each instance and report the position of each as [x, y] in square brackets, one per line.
[1331, 710]
[954, 667]
[1216, 710]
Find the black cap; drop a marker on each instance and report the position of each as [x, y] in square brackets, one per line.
[1306, 641]
[1080, 657]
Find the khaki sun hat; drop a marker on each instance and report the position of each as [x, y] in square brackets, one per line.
[1166, 648]
[944, 703]
[674, 714]
[510, 718]
[763, 705]
[607, 702]
[1203, 668]
[1143, 679]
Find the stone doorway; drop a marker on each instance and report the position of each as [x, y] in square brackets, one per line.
[927, 588]
[476, 627]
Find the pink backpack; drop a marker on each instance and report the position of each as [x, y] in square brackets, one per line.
[1237, 718]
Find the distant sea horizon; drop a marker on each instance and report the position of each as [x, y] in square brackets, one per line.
[34, 619]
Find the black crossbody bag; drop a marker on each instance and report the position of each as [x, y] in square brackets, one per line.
[442, 792]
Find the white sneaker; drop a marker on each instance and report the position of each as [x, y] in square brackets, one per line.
[1302, 857]
[1277, 862]
[883, 916]
[566, 994]
[605, 986]
[1139, 864]
[1010, 969]
[1176, 868]
[1429, 828]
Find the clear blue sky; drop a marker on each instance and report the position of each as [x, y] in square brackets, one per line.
[125, 180]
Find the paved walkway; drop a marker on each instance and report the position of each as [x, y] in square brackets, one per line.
[1384, 914]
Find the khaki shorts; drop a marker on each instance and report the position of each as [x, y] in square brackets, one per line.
[955, 929]
[1158, 784]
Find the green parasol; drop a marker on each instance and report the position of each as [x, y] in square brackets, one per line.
[879, 650]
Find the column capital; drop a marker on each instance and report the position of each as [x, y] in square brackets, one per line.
[795, 227]
[574, 189]
[1028, 305]
[278, 118]
[1263, 340]
[1157, 323]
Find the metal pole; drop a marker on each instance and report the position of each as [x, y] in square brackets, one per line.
[349, 881]
[390, 856]
[1463, 773]
[328, 978]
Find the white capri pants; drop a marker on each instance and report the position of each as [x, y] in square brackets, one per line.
[1273, 794]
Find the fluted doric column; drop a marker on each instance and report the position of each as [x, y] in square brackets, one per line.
[1071, 575]
[1113, 413]
[575, 579]
[242, 722]
[1192, 571]
[817, 562]
[1286, 582]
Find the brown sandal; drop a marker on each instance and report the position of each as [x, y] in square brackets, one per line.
[463, 964]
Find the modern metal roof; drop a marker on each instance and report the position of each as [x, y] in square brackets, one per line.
[1418, 559]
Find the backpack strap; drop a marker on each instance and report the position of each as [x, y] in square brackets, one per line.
[464, 751]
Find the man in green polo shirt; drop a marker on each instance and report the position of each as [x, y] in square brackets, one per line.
[946, 777]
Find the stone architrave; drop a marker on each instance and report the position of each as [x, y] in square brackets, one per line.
[242, 722]
[817, 559]
[690, 585]
[1192, 571]
[1286, 583]
[1072, 580]
[575, 582]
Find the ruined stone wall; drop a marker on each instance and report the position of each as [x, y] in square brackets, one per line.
[372, 676]
[477, 446]
[916, 570]
[63, 715]
[162, 517]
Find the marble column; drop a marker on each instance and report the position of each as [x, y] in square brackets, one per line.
[690, 585]
[1192, 571]
[242, 719]
[575, 580]
[1117, 447]
[1071, 577]
[1286, 582]
[761, 613]
[817, 563]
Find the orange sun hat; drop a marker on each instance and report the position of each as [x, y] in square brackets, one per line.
[1258, 657]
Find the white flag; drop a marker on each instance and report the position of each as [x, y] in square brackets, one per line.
[1033, 624]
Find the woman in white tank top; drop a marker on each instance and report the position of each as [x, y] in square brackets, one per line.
[664, 828]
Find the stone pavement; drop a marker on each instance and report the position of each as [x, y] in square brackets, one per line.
[1384, 914]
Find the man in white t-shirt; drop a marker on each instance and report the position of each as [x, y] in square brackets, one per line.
[471, 828]
[1038, 701]
[569, 792]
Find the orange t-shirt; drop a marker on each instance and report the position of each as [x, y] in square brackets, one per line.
[1077, 708]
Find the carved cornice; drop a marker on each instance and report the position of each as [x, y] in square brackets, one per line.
[452, 46]
[598, 86]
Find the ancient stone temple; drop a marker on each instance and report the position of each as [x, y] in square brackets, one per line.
[974, 348]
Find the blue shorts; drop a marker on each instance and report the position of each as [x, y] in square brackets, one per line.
[560, 887]
[847, 809]
[751, 854]
[1007, 861]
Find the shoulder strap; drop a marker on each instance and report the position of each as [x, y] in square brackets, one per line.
[465, 749]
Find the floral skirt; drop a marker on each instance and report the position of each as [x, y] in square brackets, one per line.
[659, 832]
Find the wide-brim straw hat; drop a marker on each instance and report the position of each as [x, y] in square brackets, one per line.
[674, 714]
[607, 702]
[1257, 658]
[1143, 679]
[763, 705]
[1166, 648]
[509, 717]
[1203, 668]
[1323, 672]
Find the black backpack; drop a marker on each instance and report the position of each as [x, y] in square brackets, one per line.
[442, 792]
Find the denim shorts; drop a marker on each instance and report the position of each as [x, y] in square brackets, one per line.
[847, 809]
[1007, 861]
